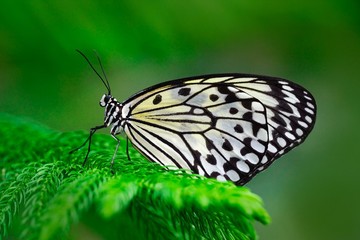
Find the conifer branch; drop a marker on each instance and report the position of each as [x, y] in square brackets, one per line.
[45, 192]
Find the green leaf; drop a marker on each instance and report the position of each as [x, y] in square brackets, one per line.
[47, 194]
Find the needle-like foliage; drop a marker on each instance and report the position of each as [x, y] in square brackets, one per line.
[45, 193]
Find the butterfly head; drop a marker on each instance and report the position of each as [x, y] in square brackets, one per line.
[105, 99]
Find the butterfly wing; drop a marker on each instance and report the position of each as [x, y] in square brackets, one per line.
[228, 127]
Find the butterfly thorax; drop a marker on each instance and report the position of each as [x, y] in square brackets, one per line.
[112, 113]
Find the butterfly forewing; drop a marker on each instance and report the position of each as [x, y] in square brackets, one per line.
[224, 126]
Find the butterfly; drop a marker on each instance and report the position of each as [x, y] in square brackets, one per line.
[222, 126]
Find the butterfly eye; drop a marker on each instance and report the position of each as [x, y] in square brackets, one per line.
[104, 100]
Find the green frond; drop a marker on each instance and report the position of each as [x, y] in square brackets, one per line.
[70, 202]
[47, 194]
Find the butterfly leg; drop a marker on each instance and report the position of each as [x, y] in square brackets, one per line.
[127, 148]
[116, 149]
[92, 131]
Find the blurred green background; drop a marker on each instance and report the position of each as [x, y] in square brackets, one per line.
[311, 193]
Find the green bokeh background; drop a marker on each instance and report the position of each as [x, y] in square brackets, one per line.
[312, 192]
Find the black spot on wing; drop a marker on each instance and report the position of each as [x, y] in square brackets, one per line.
[184, 91]
[209, 144]
[238, 128]
[233, 111]
[157, 99]
[227, 145]
[211, 159]
[197, 154]
[213, 97]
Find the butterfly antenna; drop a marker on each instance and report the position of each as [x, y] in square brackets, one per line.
[103, 72]
[106, 83]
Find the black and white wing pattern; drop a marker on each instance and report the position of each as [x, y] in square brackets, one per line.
[225, 126]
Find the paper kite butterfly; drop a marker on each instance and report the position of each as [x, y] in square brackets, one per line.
[223, 126]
